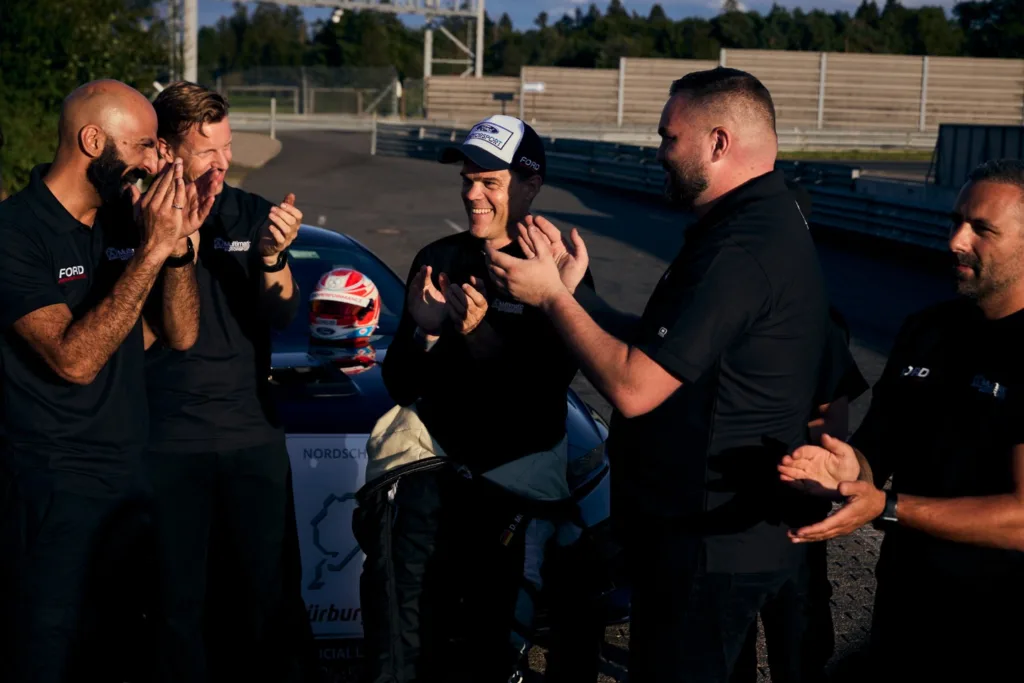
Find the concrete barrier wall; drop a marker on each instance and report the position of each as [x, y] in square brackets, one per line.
[577, 95]
[467, 100]
[811, 90]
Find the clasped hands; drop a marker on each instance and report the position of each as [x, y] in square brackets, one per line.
[832, 470]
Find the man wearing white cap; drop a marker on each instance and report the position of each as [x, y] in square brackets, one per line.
[456, 342]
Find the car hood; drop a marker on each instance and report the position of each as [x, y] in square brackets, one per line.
[329, 388]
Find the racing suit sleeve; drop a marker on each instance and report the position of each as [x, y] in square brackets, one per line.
[408, 367]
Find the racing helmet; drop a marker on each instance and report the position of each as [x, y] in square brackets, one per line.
[344, 305]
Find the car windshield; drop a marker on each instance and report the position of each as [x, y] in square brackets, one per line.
[310, 262]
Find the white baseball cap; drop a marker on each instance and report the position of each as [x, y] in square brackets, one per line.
[500, 142]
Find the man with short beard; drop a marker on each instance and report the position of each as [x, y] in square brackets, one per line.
[75, 271]
[718, 373]
[946, 423]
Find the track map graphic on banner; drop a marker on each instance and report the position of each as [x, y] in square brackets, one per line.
[327, 470]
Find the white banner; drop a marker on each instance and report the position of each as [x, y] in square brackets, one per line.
[327, 470]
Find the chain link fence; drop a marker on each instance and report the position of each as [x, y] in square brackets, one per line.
[358, 91]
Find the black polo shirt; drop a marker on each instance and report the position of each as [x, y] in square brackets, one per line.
[213, 397]
[741, 318]
[50, 258]
[496, 394]
[943, 421]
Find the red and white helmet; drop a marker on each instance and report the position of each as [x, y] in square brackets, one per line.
[344, 305]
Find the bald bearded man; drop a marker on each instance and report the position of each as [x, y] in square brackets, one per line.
[709, 385]
[82, 252]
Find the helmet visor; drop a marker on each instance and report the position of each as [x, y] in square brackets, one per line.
[340, 311]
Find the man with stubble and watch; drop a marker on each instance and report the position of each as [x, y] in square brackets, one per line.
[216, 458]
[946, 422]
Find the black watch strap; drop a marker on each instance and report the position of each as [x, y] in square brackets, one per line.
[282, 261]
[182, 261]
[888, 515]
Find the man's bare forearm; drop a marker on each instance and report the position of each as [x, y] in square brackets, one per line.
[991, 521]
[602, 357]
[617, 323]
[88, 343]
[279, 297]
[180, 307]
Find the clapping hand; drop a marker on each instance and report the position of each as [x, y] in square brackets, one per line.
[467, 304]
[427, 303]
[162, 210]
[570, 254]
[280, 230]
[820, 469]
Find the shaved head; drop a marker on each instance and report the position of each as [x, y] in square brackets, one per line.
[106, 142]
[108, 104]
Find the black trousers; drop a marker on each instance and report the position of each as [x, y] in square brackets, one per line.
[687, 625]
[444, 564]
[926, 627]
[230, 583]
[795, 628]
[76, 563]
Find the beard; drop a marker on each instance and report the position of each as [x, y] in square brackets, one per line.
[685, 181]
[108, 173]
[989, 279]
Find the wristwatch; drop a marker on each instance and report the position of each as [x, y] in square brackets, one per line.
[889, 511]
[282, 261]
[182, 261]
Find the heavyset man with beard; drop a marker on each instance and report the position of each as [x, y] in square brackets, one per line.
[722, 367]
[75, 272]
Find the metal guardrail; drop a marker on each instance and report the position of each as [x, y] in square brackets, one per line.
[641, 136]
[833, 187]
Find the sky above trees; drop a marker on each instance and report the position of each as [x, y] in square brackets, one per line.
[524, 12]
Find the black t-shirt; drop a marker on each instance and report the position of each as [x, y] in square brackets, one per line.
[50, 258]
[214, 395]
[943, 421]
[741, 318]
[496, 394]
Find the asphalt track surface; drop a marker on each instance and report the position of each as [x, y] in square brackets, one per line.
[395, 206]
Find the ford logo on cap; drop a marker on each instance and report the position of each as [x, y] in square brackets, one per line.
[488, 128]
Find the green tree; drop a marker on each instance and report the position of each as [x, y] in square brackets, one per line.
[50, 47]
[994, 28]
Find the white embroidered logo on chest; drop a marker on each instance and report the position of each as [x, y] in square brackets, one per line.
[911, 371]
[70, 273]
[238, 245]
